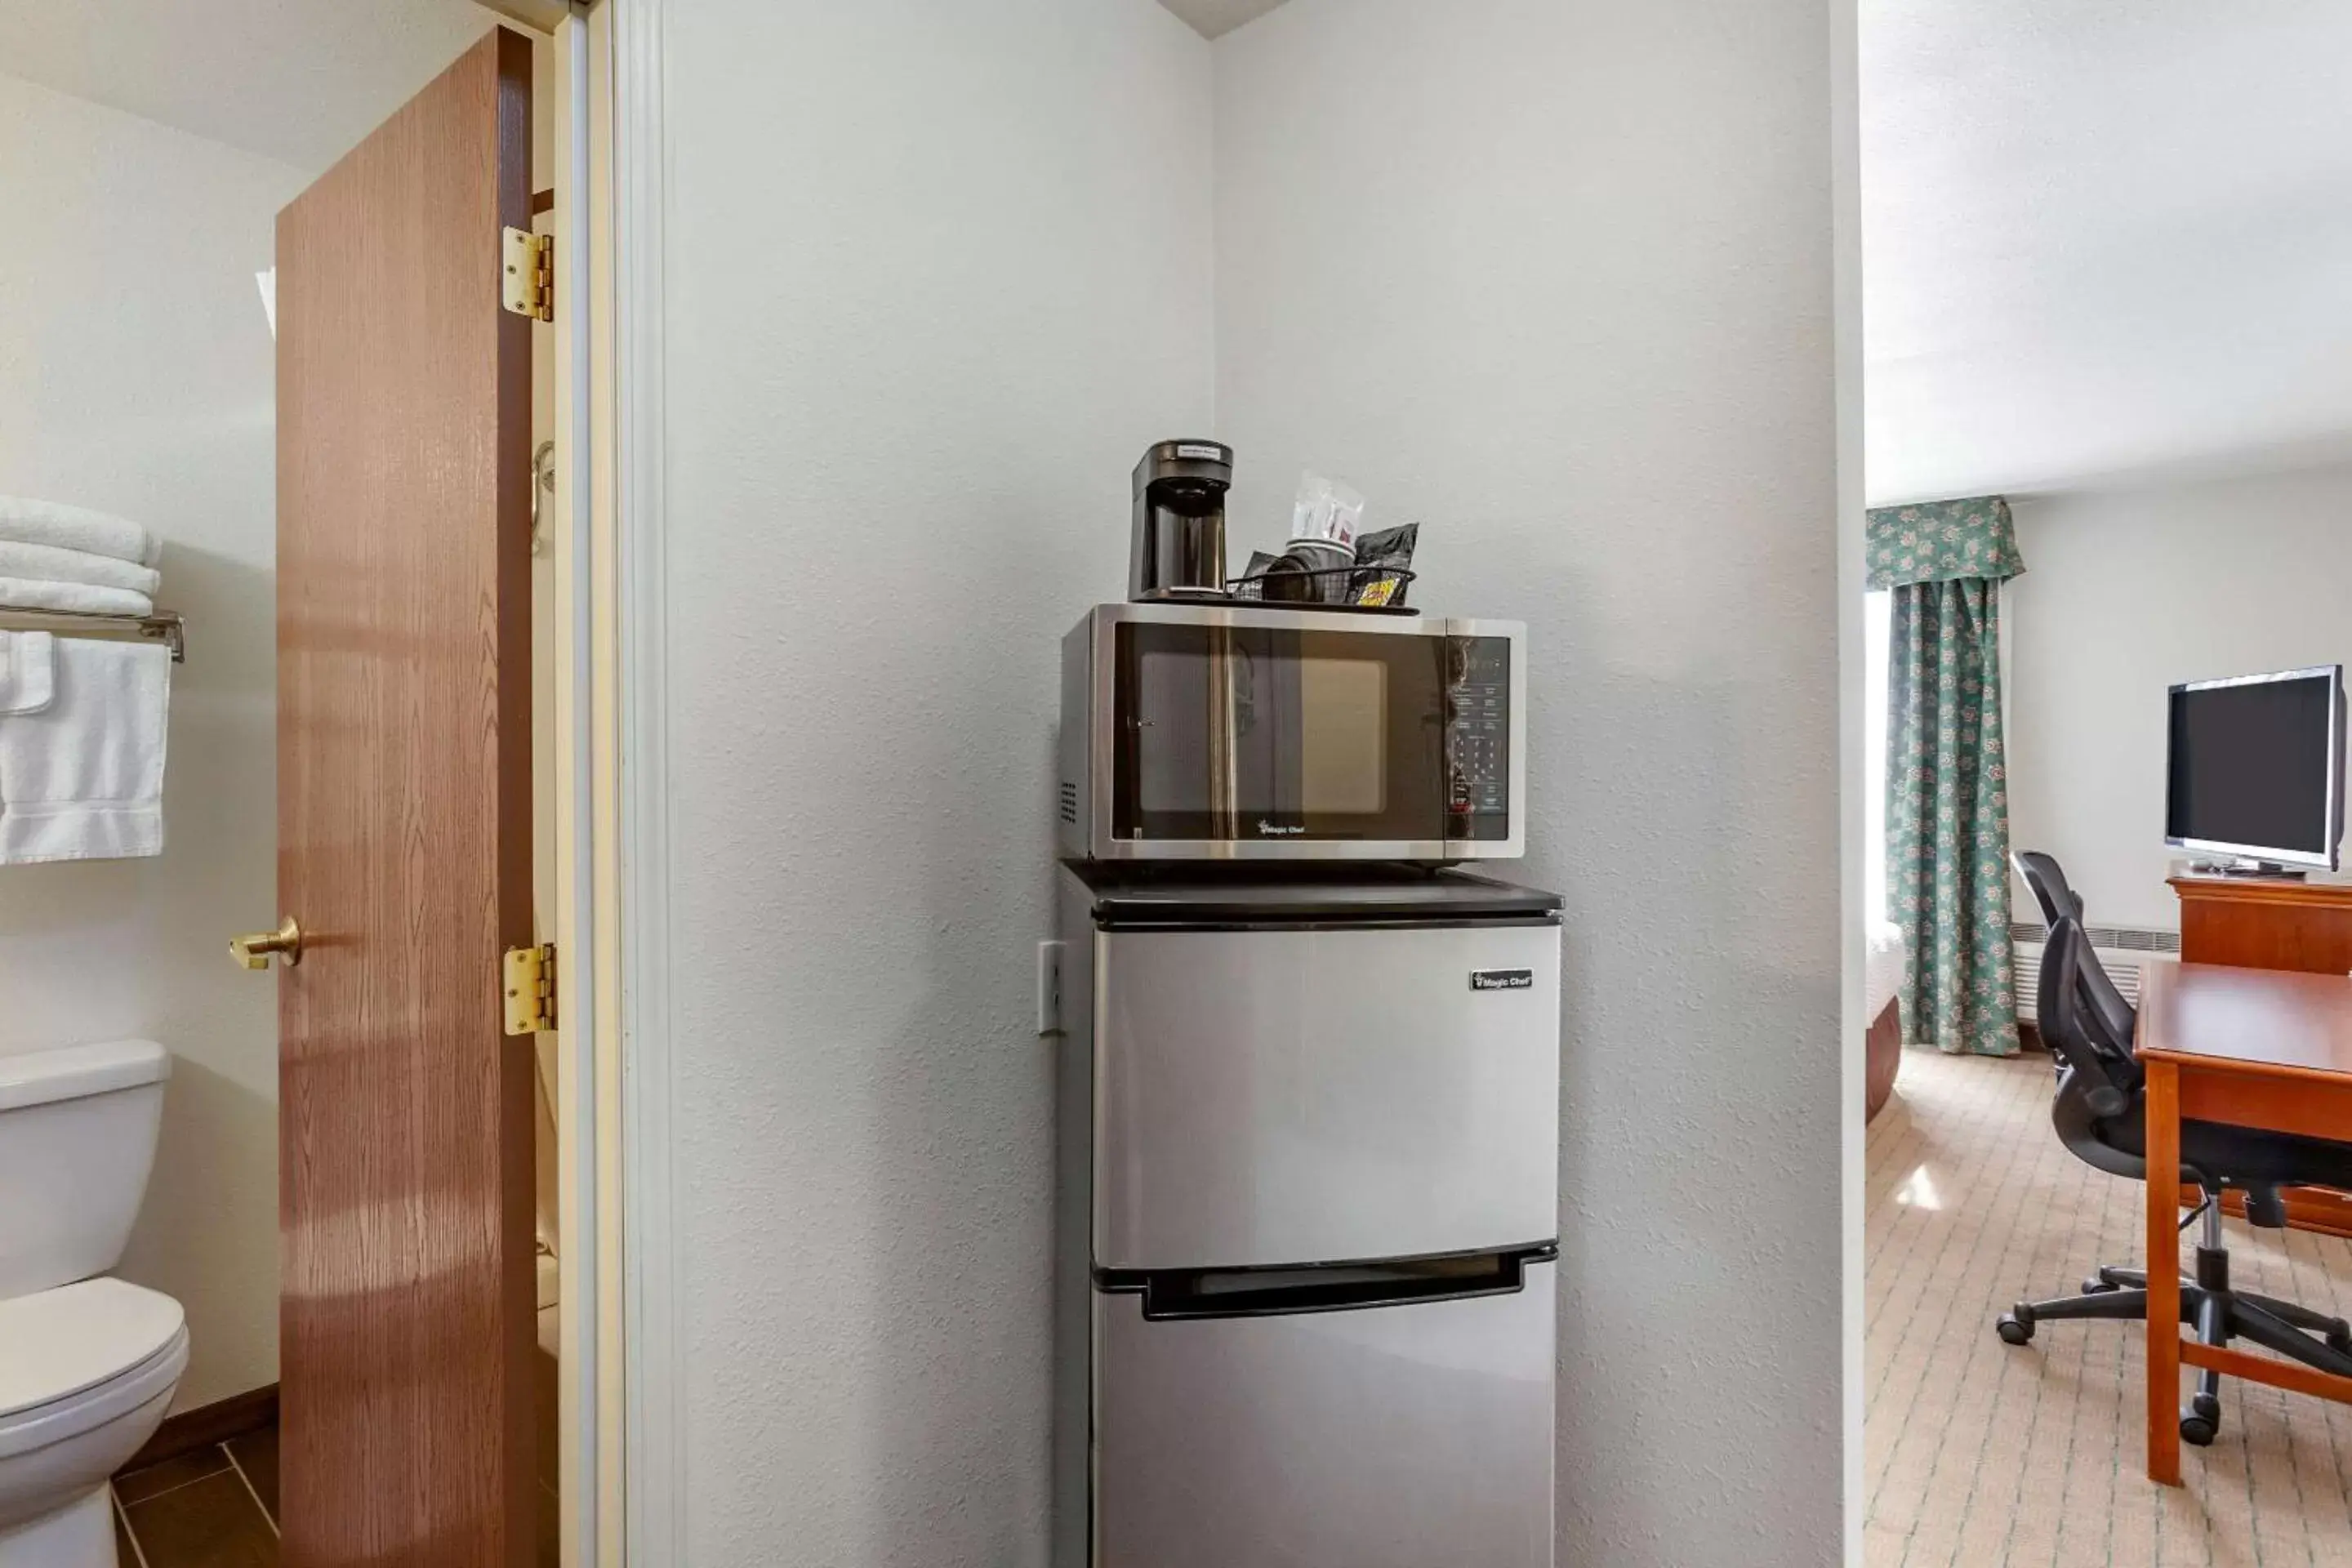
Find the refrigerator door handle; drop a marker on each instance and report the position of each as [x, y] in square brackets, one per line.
[1176, 1294]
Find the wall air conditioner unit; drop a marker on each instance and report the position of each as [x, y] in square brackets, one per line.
[2122, 950]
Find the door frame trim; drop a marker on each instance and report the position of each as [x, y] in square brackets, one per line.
[589, 1441]
[1847, 335]
[655, 1471]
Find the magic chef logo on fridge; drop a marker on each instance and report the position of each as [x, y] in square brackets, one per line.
[1278, 831]
[1502, 980]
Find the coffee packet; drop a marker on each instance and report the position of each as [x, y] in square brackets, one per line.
[1383, 563]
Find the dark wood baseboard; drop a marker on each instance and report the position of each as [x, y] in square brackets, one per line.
[207, 1424]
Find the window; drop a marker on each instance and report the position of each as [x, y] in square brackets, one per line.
[1877, 609]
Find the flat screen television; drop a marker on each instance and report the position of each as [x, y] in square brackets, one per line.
[2255, 768]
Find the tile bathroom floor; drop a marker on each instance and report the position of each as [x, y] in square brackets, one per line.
[215, 1507]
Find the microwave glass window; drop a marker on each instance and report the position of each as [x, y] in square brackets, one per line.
[1270, 733]
[1343, 711]
[1273, 737]
[1173, 705]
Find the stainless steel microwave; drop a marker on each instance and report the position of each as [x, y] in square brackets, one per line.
[1235, 732]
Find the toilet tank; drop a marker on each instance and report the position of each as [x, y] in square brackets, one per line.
[77, 1140]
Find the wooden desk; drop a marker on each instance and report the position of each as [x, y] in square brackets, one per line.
[2256, 1048]
[2265, 922]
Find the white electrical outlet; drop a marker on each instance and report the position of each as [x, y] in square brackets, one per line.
[1049, 987]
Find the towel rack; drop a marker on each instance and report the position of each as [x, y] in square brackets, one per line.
[164, 624]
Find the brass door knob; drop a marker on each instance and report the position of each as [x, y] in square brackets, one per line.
[253, 950]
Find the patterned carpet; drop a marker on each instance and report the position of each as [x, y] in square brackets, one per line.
[1977, 1454]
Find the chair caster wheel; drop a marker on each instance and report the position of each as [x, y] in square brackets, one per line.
[2015, 1327]
[2201, 1421]
[2095, 1286]
[2339, 1341]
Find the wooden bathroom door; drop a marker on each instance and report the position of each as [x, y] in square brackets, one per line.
[403, 820]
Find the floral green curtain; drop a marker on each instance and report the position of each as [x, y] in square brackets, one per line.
[1946, 778]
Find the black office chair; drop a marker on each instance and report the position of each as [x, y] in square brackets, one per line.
[2118, 1018]
[2058, 899]
[2101, 1116]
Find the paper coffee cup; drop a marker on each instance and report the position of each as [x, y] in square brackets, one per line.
[1333, 565]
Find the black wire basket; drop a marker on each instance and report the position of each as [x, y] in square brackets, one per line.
[1403, 576]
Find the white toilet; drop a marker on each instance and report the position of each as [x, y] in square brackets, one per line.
[86, 1364]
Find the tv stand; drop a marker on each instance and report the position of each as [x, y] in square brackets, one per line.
[2302, 921]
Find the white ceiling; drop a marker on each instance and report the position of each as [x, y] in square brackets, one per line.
[298, 80]
[1211, 17]
[2103, 239]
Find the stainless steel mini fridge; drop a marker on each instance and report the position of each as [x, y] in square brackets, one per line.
[1309, 1149]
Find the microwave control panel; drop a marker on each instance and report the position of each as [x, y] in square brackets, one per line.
[1478, 737]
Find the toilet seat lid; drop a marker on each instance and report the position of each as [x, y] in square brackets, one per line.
[56, 1343]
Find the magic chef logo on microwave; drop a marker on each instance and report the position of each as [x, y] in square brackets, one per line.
[1502, 980]
[1277, 830]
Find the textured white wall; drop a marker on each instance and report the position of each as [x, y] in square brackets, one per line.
[298, 82]
[136, 377]
[937, 274]
[1555, 279]
[2124, 593]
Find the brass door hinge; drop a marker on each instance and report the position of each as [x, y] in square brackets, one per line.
[531, 274]
[530, 979]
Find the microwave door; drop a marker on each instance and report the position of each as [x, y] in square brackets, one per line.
[1194, 732]
[1236, 739]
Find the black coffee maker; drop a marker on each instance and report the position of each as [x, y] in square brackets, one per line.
[1178, 548]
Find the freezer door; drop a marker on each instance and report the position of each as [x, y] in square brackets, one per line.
[1403, 1436]
[1294, 1096]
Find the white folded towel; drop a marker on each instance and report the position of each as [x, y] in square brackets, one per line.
[37, 594]
[84, 780]
[46, 562]
[73, 528]
[27, 671]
